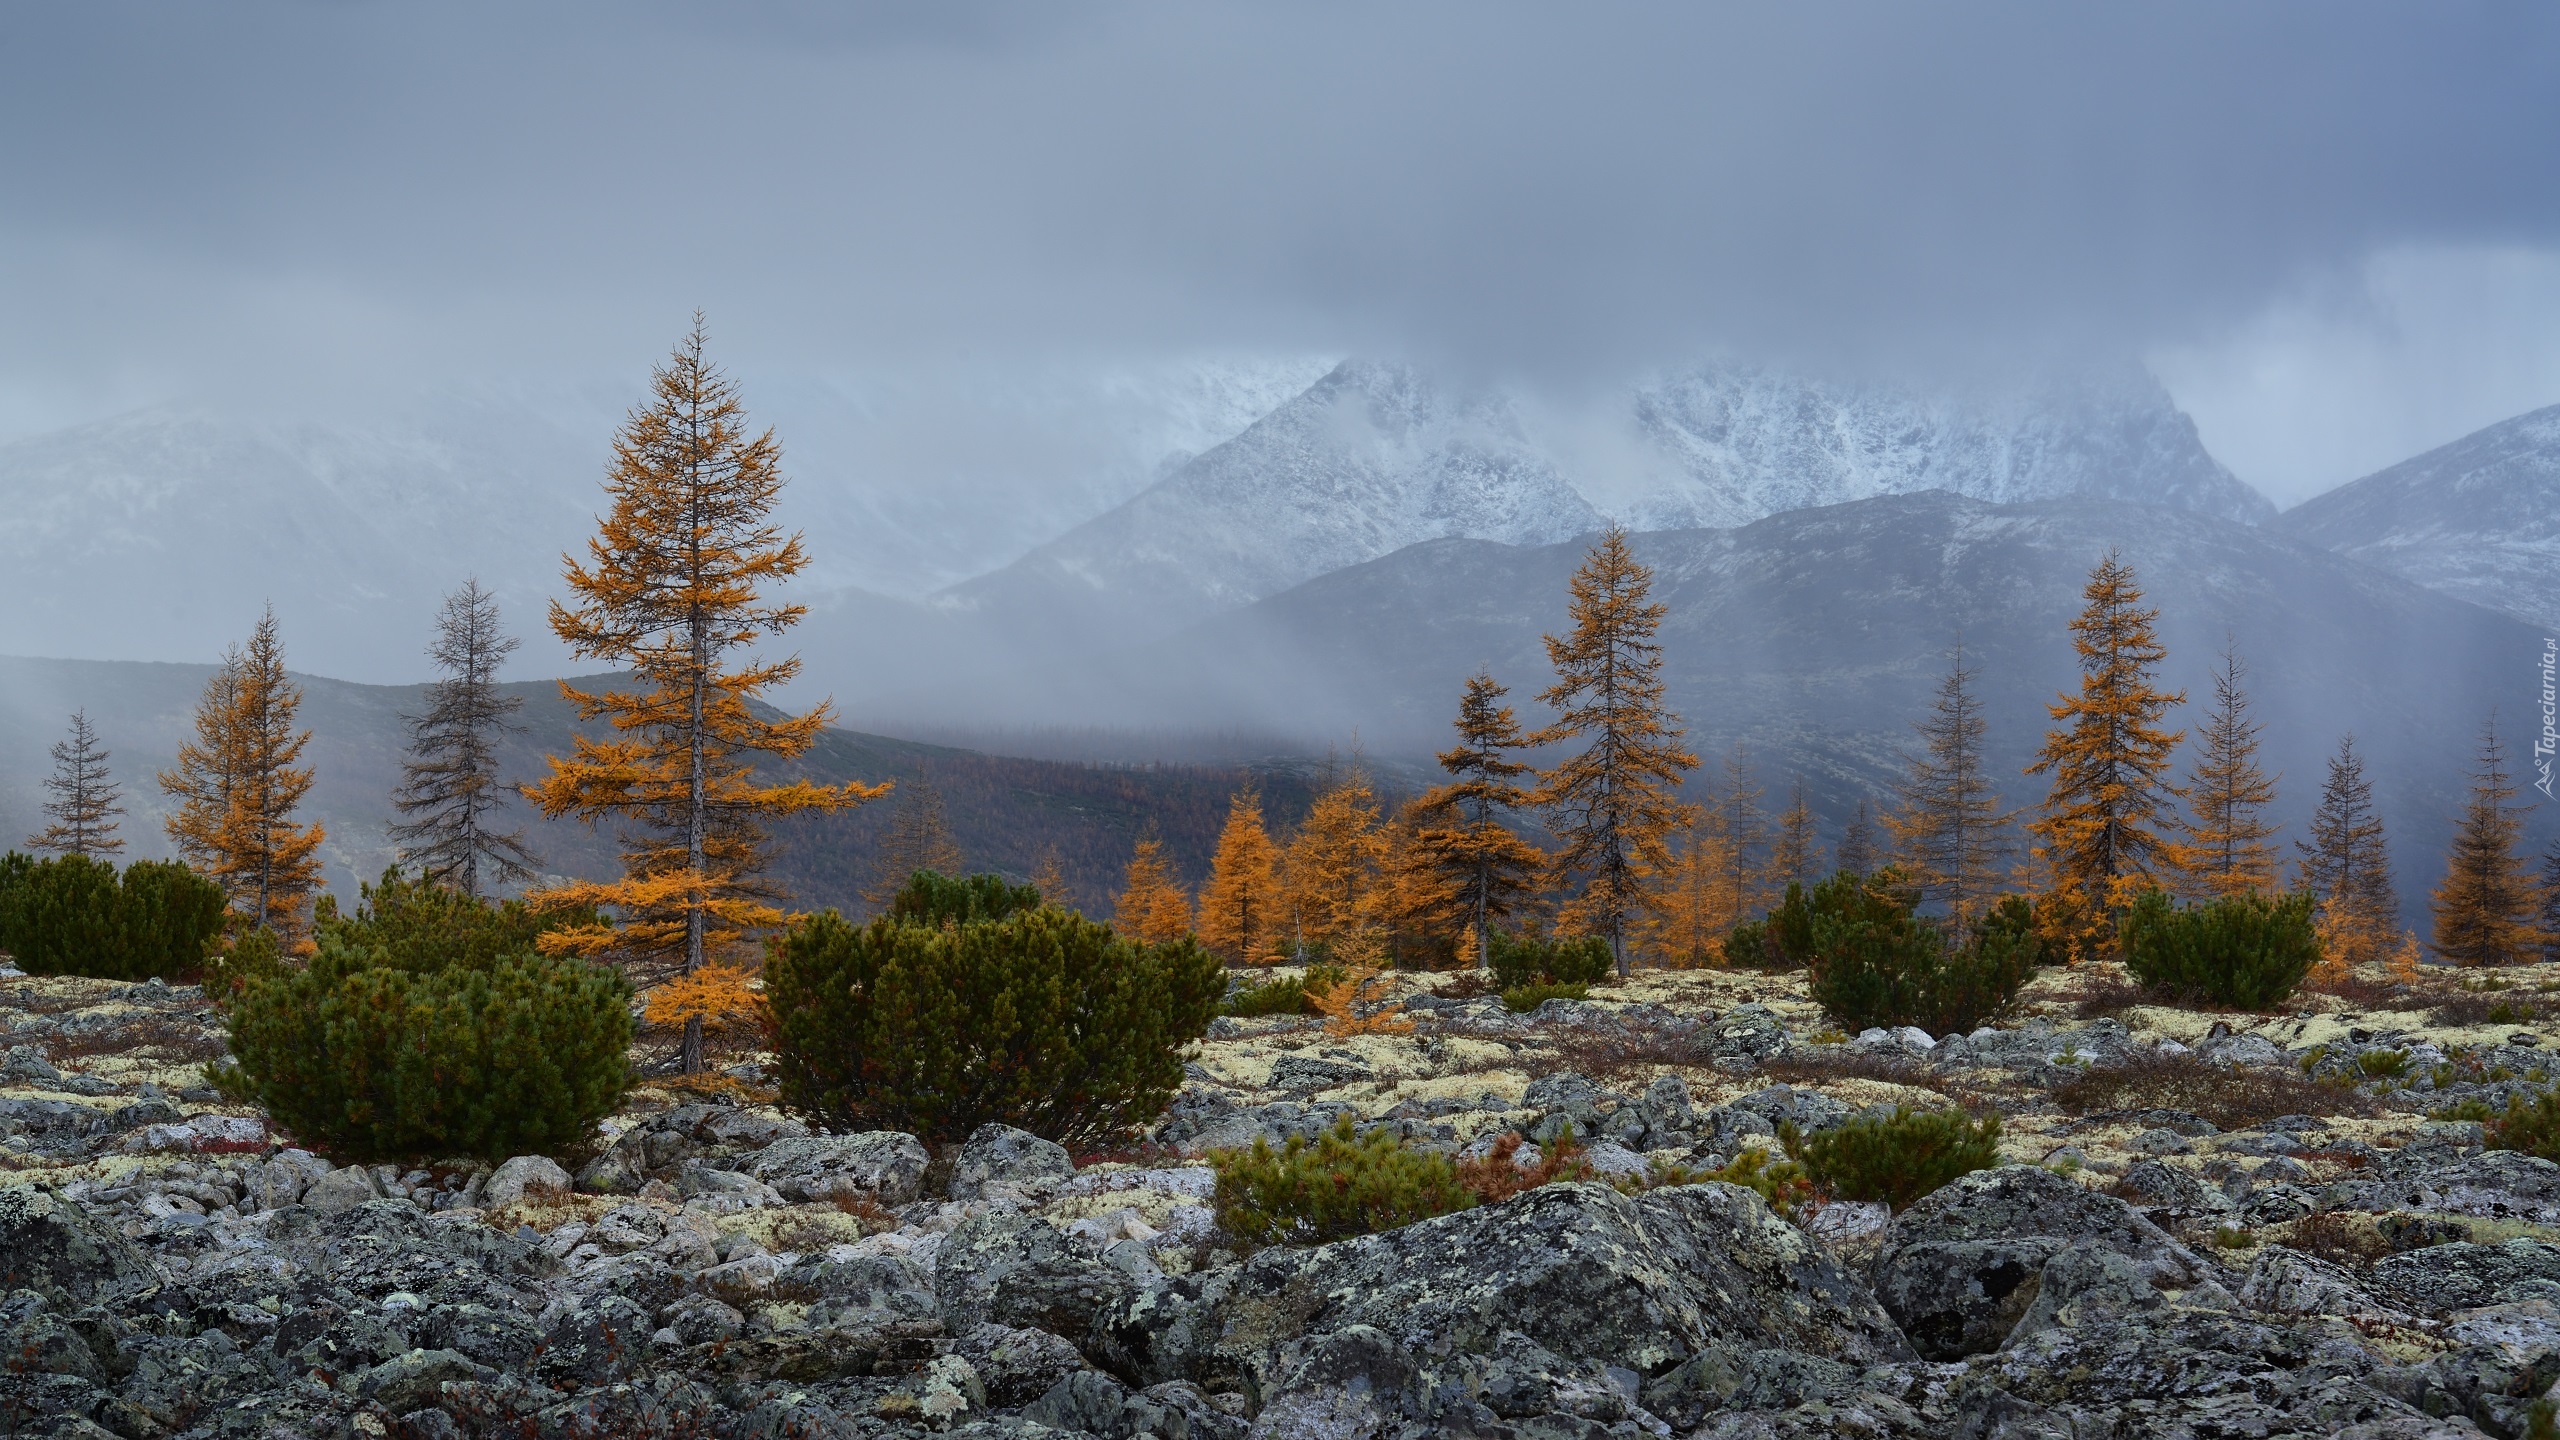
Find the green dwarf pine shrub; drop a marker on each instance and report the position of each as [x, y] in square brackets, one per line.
[1752, 945]
[71, 915]
[1896, 1159]
[1535, 959]
[2245, 951]
[1522, 999]
[1780, 1182]
[932, 898]
[417, 1030]
[1041, 1019]
[1284, 996]
[1339, 1186]
[2530, 1129]
[1874, 962]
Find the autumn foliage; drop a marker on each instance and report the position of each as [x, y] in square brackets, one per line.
[1240, 906]
[1612, 804]
[2103, 832]
[237, 785]
[1152, 909]
[672, 587]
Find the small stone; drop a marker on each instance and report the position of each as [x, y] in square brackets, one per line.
[341, 1190]
[509, 1183]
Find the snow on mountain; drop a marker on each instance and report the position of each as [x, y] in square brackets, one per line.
[2479, 518]
[1376, 456]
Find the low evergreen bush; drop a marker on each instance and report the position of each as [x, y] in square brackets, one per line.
[2244, 951]
[2530, 1129]
[1284, 996]
[1874, 962]
[1753, 946]
[70, 915]
[1780, 1182]
[1896, 1159]
[931, 898]
[1041, 1019]
[426, 1025]
[1340, 1185]
[1522, 999]
[1535, 959]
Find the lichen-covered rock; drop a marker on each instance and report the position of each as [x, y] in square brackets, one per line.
[1959, 1268]
[342, 1190]
[1745, 1033]
[1592, 1276]
[2464, 1276]
[2493, 1184]
[2504, 1357]
[1018, 1366]
[1006, 1268]
[53, 1247]
[883, 1165]
[2290, 1282]
[1002, 1155]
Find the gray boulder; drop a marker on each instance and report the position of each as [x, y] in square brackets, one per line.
[1959, 1268]
[1002, 1155]
[1009, 1269]
[1018, 1366]
[863, 1291]
[1744, 1034]
[2463, 1276]
[884, 1165]
[1593, 1277]
[53, 1247]
[2290, 1282]
[509, 1182]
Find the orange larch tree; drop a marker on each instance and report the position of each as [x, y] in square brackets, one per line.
[1613, 803]
[1330, 874]
[1151, 908]
[238, 785]
[2484, 909]
[1464, 826]
[1694, 905]
[2104, 832]
[672, 588]
[1416, 903]
[1240, 906]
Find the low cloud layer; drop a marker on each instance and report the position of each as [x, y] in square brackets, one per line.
[295, 198]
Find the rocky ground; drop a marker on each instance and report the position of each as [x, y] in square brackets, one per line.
[2208, 1225]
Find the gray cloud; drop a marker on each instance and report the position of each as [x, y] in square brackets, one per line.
[298, 195]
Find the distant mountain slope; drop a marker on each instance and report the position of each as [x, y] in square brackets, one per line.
[1814, 638]
[2479, 518]
[1376, 457]
[1004, 812]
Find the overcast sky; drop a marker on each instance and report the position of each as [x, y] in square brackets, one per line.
[2333, 228]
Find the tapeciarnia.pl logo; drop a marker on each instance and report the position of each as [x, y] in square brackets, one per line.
[2545, 744]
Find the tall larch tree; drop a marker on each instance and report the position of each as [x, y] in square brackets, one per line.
[1949, 828]
[1151, 907]
[450, 795]
[81, 799]
[1331, 871]
[238, 785]
[1795, 852]
[2484, 909]
[673, 591]
[1858, 852]
[1466, 825]
[1614, 802]
[1240, 906]
[2104, 832]
[1420, 920]
[918, 838]
[2227, 796]
[2346, 862]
